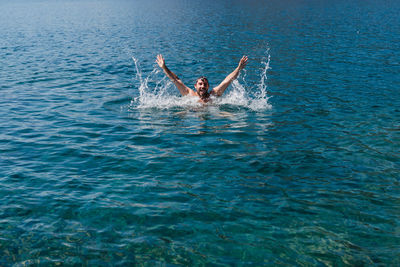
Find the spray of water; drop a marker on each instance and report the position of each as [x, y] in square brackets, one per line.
[155, 92]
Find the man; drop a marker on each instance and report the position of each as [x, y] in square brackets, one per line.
[202, 84]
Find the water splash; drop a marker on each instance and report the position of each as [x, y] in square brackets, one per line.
[261, 99]
[156, 92]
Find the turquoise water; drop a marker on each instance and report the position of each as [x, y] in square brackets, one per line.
[103, 164]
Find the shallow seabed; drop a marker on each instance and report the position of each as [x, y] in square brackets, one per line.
[103, 164]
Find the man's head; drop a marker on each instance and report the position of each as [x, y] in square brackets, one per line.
[202, 86]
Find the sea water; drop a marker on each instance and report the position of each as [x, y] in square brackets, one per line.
[103, 163]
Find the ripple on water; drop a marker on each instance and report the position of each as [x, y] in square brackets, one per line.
[102, 163]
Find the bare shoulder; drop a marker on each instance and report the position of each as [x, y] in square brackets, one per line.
[192, 93]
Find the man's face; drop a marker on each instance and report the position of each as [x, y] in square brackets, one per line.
[201, 86]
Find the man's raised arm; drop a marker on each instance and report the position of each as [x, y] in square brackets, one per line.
[219, 90]
[178, 83]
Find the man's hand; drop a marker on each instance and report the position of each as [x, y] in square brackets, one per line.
[160, 61]
[243, 62]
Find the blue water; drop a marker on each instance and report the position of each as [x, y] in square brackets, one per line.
[103, 164]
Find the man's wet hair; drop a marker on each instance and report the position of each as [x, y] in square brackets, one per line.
[203, 78]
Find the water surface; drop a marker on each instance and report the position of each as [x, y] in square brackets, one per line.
[102, 163]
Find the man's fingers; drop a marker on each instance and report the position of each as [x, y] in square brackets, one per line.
[160, 60]
[244, 59]
[243, 62]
